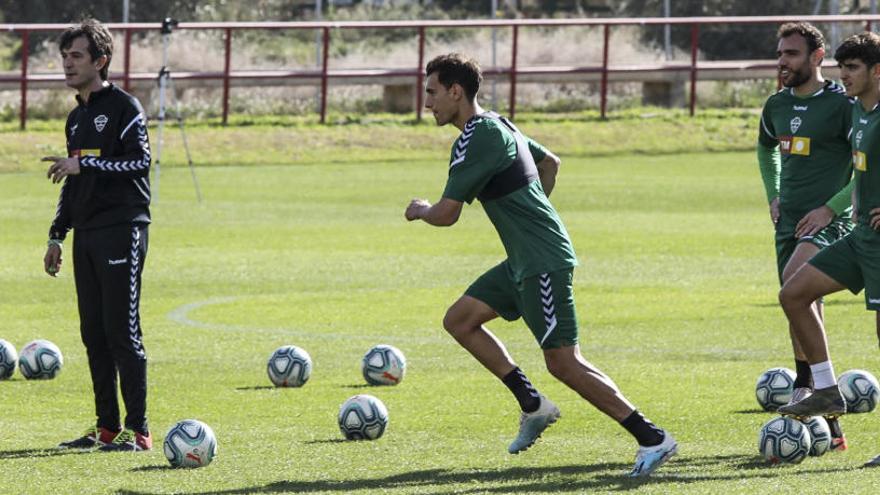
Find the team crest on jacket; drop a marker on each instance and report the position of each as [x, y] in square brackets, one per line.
[858, 139]
[795, 124]
[100, 122]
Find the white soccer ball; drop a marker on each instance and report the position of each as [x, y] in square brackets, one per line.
[383, 365]
[40, 360]
[191, 444]
[8, 359]
[774, 388]
[820, 435]
[363, 417]
[289, 366]
[784, 440]
[860, 390]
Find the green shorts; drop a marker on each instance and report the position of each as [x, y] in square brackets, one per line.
[545, 302]
[786, 241]
[854, 262]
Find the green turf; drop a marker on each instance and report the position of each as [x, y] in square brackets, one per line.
[676, 299]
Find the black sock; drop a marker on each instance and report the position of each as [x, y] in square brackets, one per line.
[804, 376]
[834, 426]
[646, 432]
[525, 393]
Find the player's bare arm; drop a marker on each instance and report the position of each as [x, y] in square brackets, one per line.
[441, 214]
[814, 221]
[547, 170]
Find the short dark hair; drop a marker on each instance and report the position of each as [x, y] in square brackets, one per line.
[100, 41]
[809, 32]
[455, 68]
[862, 46]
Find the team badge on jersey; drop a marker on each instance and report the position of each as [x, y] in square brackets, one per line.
[859, 138]
[100, 122]
[860, 161]
[73, 129]
[794, 145]
[795, 124]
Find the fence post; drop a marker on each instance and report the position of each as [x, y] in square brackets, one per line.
[25, 43]
[603, 95]
[324, 75]
[695, 36]
[512, 111]
[227, 62]
[126, 75]
[420, 77]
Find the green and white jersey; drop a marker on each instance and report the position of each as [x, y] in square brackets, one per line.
[813, 137]
[866, 160]
[489, 162]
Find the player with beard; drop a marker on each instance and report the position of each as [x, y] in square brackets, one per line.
[804, 156]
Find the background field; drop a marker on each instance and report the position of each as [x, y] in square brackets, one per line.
[675, 292]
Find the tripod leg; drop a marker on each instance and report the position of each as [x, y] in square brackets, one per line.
[178, 115]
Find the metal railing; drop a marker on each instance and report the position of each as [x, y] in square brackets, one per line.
[416, 74]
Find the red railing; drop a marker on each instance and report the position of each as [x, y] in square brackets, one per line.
[325, 73]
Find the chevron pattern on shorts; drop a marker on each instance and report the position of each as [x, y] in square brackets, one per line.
[547, 304]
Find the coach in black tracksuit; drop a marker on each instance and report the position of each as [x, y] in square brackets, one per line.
[105, 199]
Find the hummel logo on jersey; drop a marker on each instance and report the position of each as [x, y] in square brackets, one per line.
[100, 122]
[117, 262]
[795, 124]
[873, 300]
[858, 139]
[863, 121]
[73, 129]
[800, 108]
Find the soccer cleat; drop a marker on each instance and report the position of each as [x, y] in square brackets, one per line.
[799, 394]
[838, 444]
[95, 436]
[532, 424]
[822, 402]
[875, 462]
[129, 441]
[648, 459]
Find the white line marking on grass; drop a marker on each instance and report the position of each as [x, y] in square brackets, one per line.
[180, 315]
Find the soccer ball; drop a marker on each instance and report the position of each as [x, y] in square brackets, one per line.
[383, 365]
[774, 388]
[289, 366]
[40, 360]
[820, 435]
[8, 359]
[190, 443]
[784, 440]
[860, 390]
[363, 417]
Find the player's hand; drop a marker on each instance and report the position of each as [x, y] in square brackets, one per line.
[814, 221]
[774, 210]
[875, 218]
[52, 260]
[61, 168]
[416, 209]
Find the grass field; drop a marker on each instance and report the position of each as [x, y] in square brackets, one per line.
[676, 297]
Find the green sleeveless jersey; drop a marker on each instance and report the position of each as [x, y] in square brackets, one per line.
[813, 138]
[486, 163]
[866, 159]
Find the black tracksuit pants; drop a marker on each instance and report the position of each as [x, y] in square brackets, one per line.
[107, 264]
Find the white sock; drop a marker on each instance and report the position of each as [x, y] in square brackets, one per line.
[823, 375]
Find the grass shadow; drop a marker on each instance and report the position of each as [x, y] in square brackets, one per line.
[607, 476]
[155, 467]
[257, 387]
[752, 411]
[26, 453]
[360, 385]
[329, 440]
